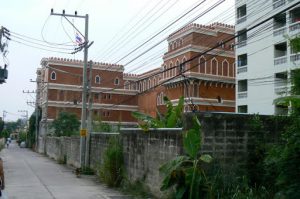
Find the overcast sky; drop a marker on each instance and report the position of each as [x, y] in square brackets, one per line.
[115, 26]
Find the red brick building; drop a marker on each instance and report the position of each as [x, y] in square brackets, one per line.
[209, 82]
[207, 85]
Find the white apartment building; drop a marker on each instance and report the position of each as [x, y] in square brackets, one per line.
[264, 58]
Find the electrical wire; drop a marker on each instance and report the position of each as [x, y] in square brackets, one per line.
[39, 47]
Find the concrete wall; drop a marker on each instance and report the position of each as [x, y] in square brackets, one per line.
[62, 149]
[227, 137]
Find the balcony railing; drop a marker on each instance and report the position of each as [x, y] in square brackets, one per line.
[295, 57]
[279, 31]
[282, 90]
[242, 44]
[242, 95]
[242, 69]
[241, 19]
[278, 3]
[295, 26]
[280, 60]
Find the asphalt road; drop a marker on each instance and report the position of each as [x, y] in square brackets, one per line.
[29, 175]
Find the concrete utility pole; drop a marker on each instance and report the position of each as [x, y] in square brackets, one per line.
[26, 115]
[89, 124]
[86, 46]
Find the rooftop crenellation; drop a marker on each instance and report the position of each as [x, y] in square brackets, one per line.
[212, 27]
[76, 61]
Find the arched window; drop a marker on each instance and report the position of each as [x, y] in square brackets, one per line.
[180, 42]
[97, 79]
[183, 66]
[220, 69]
[175, 44]
[214, 66]
[127, 85]
[177, 66]
[225, 65]
[149, 84]
[162, 98]
[144, 85]
[154, 81]
[170, 70]
[202, 65]
[196, 90]
[164, 72]
[53, 75]
[140, 87]
[117, 81]
[225, 69]
[157, 100]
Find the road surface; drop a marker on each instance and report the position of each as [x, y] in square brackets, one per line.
[29, 175]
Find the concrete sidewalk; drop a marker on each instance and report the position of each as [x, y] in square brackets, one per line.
[29, 175]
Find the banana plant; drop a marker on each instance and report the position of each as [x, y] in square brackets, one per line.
[171, 119]
[185, 173]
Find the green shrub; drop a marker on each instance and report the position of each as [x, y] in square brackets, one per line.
[112, 169]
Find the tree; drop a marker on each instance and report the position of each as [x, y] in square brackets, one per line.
[283, 159]
[66, 124]
[171, 119]
[1, 125]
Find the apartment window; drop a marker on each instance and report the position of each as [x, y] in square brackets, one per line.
[241, 14]
[279, 21]
[97, 79]
[280, 52]
[279, 24]
[117, 81]
[53, 75]
[243, 86]
[242, 38]
[295, 15]
[281, 81]
[242, 60]
[109, 96]
[243, 109]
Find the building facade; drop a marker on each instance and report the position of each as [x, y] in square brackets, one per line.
[60, 89]
[206, 81]
[264, 58]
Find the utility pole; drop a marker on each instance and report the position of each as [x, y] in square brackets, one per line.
[36, 112]
[89, 123]
[3, 72]
[86, 46]
[26, 115]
